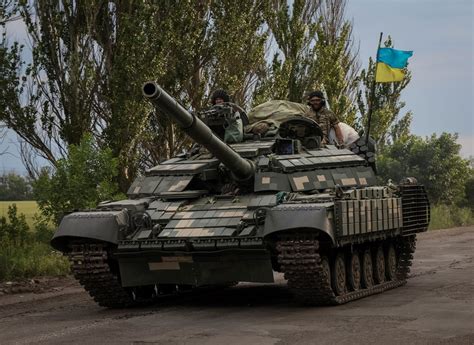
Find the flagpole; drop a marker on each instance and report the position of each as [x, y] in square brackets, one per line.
[372, 92]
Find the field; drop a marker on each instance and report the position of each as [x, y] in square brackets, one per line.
[28, 208]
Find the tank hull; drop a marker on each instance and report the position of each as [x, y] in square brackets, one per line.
[195, 269]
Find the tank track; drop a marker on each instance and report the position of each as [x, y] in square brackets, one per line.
[300, 260]
[90, 266]
[405, 248]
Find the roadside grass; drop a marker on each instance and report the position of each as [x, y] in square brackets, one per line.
[31, 260]
[445, 217]
[24, 245]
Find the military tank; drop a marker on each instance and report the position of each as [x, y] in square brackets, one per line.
[236, 212]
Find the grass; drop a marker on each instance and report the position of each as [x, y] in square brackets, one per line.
[31, 260]
[24, 245]
[445, 217]
[28, 208]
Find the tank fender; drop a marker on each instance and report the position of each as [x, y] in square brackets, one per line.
[96, 225]
[293, 216]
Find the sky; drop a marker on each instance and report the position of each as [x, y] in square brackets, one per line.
[441, 92]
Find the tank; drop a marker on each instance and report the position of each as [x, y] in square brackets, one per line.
[224, 213]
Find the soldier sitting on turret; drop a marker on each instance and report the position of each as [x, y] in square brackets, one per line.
[325, 118]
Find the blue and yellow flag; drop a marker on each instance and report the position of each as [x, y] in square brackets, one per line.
[390, 64]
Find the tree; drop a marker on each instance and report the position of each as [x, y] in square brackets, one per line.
[80, 181]
[336, 67]
[14, 187]
[294, 35]
[215, 44]
[314, 50]
[91, 58]
[434, 161]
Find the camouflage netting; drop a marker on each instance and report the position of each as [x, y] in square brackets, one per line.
[276, 111]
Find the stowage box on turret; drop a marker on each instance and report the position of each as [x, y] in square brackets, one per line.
[236, 212]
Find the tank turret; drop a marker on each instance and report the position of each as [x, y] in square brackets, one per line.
[241, 168]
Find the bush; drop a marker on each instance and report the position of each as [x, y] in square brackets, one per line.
[43, 231]
[80, 181]
[434, 161]
[15, 230]
[25, 253]
[445, 217]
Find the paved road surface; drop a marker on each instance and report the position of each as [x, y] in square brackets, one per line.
[435, 307]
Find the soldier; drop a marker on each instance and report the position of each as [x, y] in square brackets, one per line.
[324, 117]
[234, 129]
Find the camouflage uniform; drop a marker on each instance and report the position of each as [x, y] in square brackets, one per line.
[234, 132]
[326, 119]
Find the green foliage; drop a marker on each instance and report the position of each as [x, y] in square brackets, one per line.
[25, 253]
[434, 161]
[294, 32]
[90, 60]
[14, 187]
[445, 217]
[31, 260]
[14, 230]
[237, 44]
[10, 65]
[80, 181]
[469, 190]
[43, 232]
[28, 208]
[314, 52]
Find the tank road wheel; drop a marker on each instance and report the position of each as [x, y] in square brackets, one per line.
[326, 268]
[367, 276]
[354, 272]
[391, 263]
[339, 275]
[379, 267]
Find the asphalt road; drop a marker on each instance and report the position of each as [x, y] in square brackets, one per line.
[435, 307]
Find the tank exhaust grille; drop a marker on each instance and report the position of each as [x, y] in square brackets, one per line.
[415, 208]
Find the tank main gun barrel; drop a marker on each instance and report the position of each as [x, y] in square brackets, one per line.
[241, 168]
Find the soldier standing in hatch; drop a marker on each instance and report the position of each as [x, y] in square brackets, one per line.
[325, 118]
[234, 130]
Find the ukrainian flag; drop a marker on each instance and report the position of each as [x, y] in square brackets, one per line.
[390, 64]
